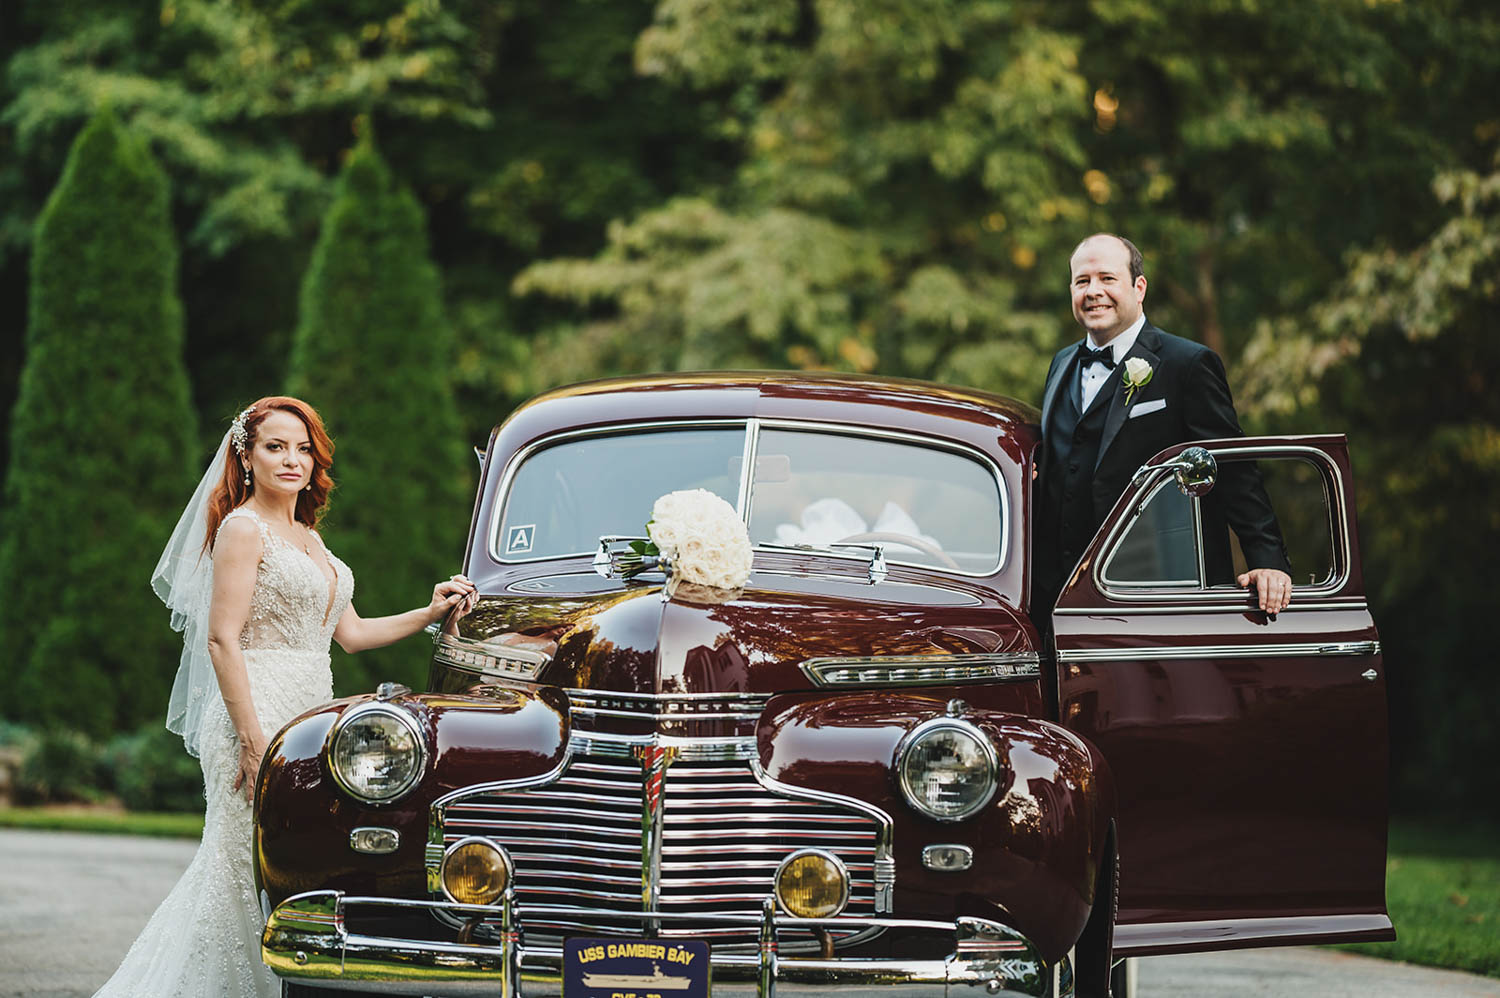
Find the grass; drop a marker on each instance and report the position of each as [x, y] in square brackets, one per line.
[1443, 890]
[83, 818]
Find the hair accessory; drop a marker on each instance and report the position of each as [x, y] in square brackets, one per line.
[239, 437]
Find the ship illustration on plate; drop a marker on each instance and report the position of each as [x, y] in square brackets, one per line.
[655, 980]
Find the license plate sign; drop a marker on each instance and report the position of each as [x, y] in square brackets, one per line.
[635, 968]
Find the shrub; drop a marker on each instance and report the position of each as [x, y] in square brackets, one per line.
[62, 767]
[372, 352]
[101, 448]
[151, 772]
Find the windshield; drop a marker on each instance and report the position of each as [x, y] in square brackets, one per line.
[566, 496]
[924, 504]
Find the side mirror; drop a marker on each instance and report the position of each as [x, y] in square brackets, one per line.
[1195, 470]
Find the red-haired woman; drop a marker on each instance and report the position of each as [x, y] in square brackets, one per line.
[258, 597]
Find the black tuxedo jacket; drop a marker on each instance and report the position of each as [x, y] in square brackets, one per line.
[1187, 398]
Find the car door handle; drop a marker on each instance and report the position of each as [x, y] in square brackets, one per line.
[1370, 674]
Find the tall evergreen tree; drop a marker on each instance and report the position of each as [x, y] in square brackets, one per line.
[372, 352]
[101, 447]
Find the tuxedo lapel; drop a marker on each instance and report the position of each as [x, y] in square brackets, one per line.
[1144, 348]
[1060, 369]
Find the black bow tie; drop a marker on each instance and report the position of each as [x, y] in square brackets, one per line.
[1104, 355]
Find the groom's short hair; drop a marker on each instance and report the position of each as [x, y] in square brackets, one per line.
[1137, 262]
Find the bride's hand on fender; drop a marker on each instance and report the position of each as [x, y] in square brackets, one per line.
[447, 595]
[252, 751]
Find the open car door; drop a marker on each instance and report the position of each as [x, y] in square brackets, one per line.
[1249, 753]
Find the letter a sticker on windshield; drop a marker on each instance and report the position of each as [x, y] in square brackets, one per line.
[518, 539]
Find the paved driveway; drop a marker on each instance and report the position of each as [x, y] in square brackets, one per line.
[70, 905]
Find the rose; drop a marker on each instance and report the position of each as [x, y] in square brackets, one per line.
[1138, 374]
[703, 537]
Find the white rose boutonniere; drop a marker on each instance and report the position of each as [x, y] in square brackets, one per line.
[1137, 375]
[702, 537]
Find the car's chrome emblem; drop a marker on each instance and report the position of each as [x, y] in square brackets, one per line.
[655, 759]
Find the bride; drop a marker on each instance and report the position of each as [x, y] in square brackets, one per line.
[257, 596]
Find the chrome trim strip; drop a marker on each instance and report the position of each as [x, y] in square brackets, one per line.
[690, 749]
[1238, 606]
[488, 658]
[885, 862]
[1297, 650]
[1183, 937]
[916, 670]
[1339, 528]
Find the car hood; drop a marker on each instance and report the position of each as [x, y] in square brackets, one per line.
[629, 638]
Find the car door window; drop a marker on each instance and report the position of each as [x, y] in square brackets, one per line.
[1160, 546]
[1174, 542]
[1300, 495]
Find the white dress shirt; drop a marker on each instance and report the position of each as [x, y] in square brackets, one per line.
[1093, 376]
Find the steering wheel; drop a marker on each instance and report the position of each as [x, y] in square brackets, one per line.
[887, 537]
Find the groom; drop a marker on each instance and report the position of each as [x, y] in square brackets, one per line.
[1094, 440]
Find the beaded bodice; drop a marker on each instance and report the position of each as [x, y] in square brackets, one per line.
[294, 606]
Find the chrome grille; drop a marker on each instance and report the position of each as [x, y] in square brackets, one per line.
[579, 840]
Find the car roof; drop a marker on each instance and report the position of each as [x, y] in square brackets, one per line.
[848, 399]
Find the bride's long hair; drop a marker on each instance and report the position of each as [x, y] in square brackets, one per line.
[232, 490]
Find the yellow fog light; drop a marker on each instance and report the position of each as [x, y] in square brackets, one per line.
[811, 883]
[475, 871]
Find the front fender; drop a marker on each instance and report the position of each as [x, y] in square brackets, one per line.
[1039, 844]
[303, 820]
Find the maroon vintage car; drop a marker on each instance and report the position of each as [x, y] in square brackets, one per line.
[862, 769]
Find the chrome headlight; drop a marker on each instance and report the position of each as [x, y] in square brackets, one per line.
[947, 768]
[376, 753]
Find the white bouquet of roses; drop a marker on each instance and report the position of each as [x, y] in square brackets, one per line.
[703, 537]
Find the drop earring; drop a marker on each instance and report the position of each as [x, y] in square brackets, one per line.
[247, 475]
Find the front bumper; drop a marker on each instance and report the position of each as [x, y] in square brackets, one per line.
[307, 941]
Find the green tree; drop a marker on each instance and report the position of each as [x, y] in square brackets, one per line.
[102, 443]
[373, 353]
[1404, 349]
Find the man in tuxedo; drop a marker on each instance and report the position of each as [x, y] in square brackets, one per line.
[1094, 439]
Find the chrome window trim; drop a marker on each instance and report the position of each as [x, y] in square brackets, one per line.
[402, 717]
[1302, 649]
[745, 500]
[930, 669]
[1234, 598]
[507, 478]
[747, 469]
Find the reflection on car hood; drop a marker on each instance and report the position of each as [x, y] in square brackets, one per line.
[625, 638]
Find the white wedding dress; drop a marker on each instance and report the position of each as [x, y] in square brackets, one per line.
[204, 940]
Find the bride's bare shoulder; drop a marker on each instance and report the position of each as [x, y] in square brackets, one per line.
[238, 536]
